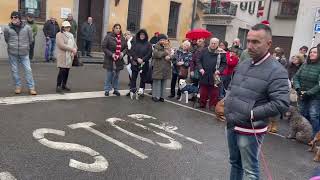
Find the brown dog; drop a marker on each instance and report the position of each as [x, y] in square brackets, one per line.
[315, 147]
[219, 109]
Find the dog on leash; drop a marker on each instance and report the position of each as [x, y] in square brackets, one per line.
[315, 147]
[300, 128]
[139, 93]
[187, 89]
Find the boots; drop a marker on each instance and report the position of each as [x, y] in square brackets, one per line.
[59, 90]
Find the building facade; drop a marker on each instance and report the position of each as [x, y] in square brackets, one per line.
[230, 19]
[172, 17]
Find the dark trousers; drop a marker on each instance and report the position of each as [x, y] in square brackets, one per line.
[31, 51]
[133, 80]
[86, 47]
[63, 77]
[175, 78]
[208, 91]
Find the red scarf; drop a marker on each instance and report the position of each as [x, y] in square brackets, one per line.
[118, 48]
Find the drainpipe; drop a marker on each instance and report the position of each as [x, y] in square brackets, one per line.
[193, 13]
[269, 9]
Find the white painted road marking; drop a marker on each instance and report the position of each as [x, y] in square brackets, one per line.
[87, 126]
[100, 164]
[6, 176]
[169, 129]
[174, 145]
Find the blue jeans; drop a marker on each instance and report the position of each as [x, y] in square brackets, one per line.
[244, 155]
[111, 81]
[310, 109]
[52, 46]
[25, 62]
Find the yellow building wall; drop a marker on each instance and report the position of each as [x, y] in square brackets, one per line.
[154, 16]
[54, 8]
[6, 7]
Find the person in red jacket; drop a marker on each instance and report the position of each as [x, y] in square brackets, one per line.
[232, 57]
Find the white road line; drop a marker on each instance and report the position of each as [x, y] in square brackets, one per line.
[87, 126]
[6, 176]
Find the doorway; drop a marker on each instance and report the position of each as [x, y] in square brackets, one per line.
[95, 9]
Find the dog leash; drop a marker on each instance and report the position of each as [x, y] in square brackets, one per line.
[264, 162]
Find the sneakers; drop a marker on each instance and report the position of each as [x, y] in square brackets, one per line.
[59, 89]
[161, 100]
[33, 92]
[117, 93]
[17, 90]
[155, 99]
[106, 93]
[65, 88]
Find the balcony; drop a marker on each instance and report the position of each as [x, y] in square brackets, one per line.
[217, 8]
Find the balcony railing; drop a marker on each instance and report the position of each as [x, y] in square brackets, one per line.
[220, 8]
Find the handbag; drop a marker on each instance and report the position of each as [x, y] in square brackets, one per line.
[183, 72]
[76, 60]
[219, 110]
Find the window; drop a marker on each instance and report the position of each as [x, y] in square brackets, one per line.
[288, 8]
[252, 7]
[243, 6]
[36, 7]
[134, 15]
[173, 19]
[242, 35]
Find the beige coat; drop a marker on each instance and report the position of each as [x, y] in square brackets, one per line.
[61, 49]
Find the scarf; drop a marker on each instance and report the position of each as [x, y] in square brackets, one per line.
[118, 48]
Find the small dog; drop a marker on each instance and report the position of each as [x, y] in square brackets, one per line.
[137, 94]
[315, 147]
[187, 89]
[300, 128]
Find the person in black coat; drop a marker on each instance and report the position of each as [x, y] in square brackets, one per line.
[208, 69]
[141, 52]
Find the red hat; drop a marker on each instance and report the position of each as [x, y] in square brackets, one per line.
[266, 22]
[156, 33]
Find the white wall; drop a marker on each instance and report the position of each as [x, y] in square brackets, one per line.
[304, 27]
[280, 27]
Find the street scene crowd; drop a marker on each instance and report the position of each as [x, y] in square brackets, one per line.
[253, 88]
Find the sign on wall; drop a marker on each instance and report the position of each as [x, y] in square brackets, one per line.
[65, 12]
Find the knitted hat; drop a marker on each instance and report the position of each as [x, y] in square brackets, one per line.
[162, 36]
[16, 14]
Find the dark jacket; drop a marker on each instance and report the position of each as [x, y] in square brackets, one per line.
[161, 66]
[109, 45]
[208, 61]
[181, 56]
[51, 29]
[308, 79]
[74, 27]
[88, 31]
[262, 88]
[194, 63]
[18, 39]
[293, 69]
[140, 49]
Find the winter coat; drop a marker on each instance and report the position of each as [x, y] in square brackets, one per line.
[140, 49]
[262, 88]
[34, 28]
[161, 66]
[109, 46]
[74, 27]
[293, 69]
[308, 79]
[207, 61]
[88, 31]
[232, 62]
[51, 29]
[62, 48]
[18, 39]
[181, 56]
[194, 63]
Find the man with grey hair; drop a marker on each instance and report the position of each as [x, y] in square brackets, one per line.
[259, 90]
[74, 25]
[212, 62]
